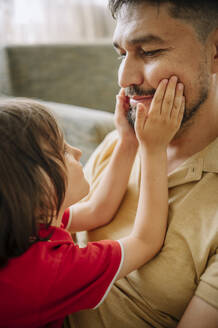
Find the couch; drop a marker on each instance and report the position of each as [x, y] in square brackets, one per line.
[78, 82]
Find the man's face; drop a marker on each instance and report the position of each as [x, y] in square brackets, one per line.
[154, 46]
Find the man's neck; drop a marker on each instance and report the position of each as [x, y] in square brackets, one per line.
[195, 137]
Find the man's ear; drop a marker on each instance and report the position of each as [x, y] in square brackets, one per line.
[215, 53]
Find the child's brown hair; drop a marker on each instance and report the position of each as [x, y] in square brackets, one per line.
[32, 174]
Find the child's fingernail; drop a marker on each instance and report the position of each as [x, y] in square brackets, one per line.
[180, 86]
[165, 81]
[174, 78]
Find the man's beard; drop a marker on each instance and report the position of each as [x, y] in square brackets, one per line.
[189, 113]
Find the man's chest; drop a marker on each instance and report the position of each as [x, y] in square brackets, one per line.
[168, 282]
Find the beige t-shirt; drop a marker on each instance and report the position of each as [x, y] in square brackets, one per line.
[157, 294]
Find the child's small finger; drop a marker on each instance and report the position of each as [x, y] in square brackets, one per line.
[159, 96]
[122, 96]
[119, 98]
[119, 102]
[182, 110]
[122, 92]
[122, 104]
[169, 96]
[177, 101]
[120, 107]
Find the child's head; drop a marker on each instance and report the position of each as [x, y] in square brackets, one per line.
[33, 173]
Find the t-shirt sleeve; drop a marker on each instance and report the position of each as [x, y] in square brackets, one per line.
[208, 286]
[66, 218]
[84, 277]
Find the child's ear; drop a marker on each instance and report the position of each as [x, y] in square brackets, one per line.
[215, 53]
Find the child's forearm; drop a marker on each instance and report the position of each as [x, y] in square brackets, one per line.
[151, 218]
[112, 187]
[104, 202]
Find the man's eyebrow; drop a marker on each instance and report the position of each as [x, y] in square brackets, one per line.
[147, 39]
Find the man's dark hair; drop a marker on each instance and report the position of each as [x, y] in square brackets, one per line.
[201, 14]
[32, 174]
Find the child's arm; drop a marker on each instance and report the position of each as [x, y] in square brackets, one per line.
[154, 131]
[104, 202]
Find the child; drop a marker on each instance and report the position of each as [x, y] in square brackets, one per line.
[43, 275]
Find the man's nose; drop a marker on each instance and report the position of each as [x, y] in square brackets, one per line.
[130, 73]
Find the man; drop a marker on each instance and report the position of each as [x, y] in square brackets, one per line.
[155, 40]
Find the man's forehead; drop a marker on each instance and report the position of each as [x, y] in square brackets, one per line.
[144, 24]
[139, 32]
[142, 39]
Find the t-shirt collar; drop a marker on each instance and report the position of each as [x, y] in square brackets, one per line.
[192, 169]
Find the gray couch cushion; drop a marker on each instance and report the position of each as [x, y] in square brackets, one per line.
[5, 80]
[78, 74]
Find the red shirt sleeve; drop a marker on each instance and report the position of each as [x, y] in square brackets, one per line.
[65, 219]
[54, 278]
[83, 278]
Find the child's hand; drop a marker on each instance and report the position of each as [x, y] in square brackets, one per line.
[157, 128]
[126, 132]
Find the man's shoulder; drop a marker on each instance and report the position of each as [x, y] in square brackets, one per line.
[210, 156]
[111, 138]
[101, 156]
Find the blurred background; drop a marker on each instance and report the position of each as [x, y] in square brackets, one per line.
[54, 21]
[60, 53]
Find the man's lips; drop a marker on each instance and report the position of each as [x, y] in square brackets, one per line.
[146, 100]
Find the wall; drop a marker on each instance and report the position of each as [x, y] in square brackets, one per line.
[54, 21]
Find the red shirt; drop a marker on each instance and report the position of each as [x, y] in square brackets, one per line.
[55, 278]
